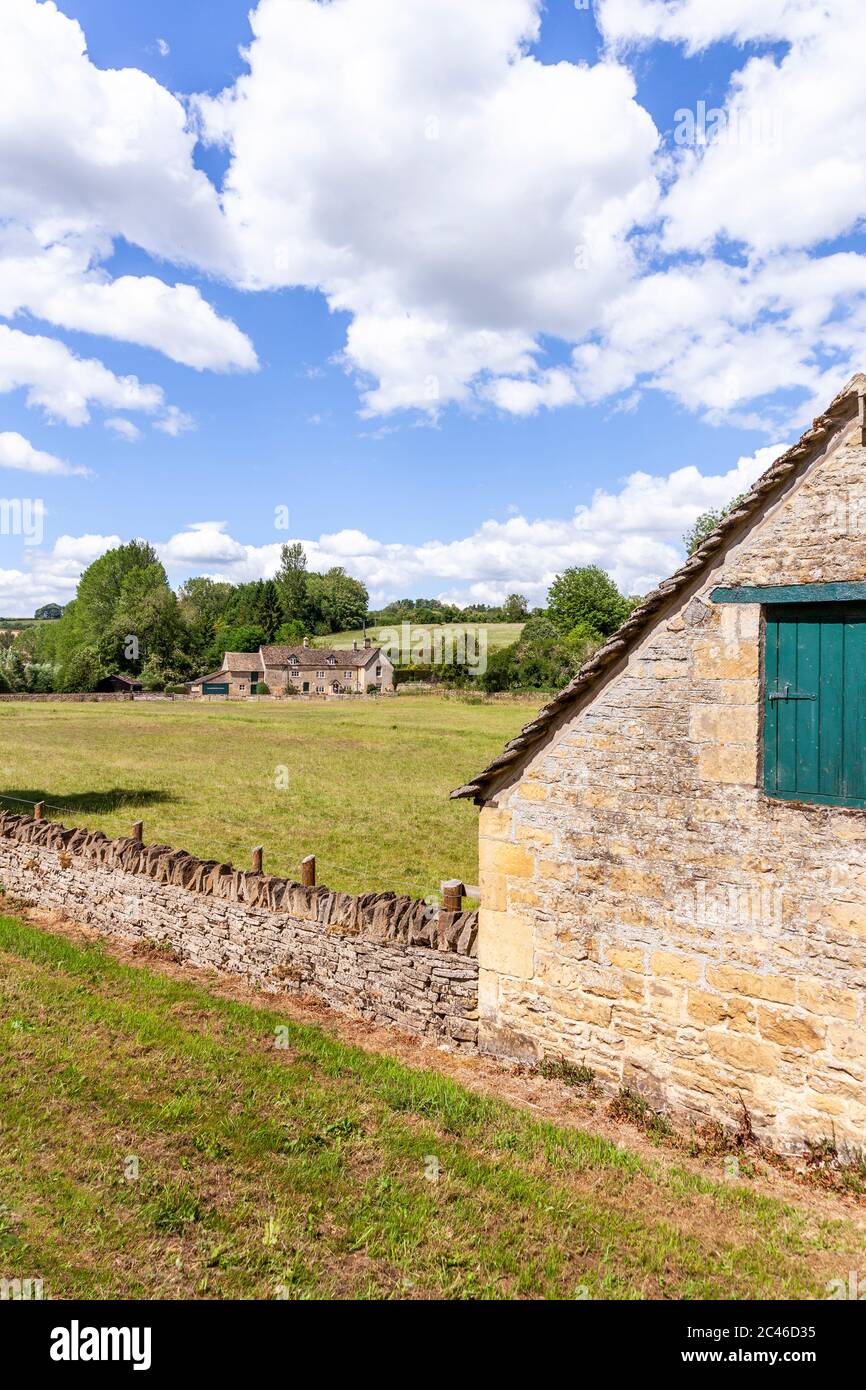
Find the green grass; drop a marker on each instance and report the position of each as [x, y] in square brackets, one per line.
[364, 785]
[156, 1143]
[498, 634]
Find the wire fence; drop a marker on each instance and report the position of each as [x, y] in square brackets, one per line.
[27, 801]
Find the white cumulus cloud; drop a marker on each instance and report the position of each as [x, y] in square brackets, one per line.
[18, 452]
[65, 386]
[101, 150]
[88, 156]
[125, 429]
[635, 533]
[784, 167]
[462, 202]
[699, 23]
[720, 338]
[59, 283]
[174, 422]
[454, 195]
[51, 576]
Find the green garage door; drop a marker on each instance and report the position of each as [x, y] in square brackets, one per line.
[815, 703]
[214, 688]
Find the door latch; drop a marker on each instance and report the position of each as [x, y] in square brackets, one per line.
[789, 694]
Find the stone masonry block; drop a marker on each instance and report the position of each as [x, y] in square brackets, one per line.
[504, 858]
[505, 944]
[725, 661]
[494, 823]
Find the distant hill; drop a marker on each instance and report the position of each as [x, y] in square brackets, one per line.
[498, 634]
[50, 613]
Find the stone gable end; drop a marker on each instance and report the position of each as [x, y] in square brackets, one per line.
[646, 908]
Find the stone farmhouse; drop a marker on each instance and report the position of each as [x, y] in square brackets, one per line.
[305, 669]
[673, 853]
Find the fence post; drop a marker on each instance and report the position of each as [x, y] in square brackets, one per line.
[138, 831]
[39, 811]
[308, 871]
[257, 858]
[452, 894]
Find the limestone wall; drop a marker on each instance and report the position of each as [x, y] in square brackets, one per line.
[647, 909]
[85, 697]
[390, 959]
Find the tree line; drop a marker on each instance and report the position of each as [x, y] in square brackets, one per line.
[584, 608]
[515, 609]
[125, 618]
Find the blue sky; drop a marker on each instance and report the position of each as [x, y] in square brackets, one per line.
[716, 313]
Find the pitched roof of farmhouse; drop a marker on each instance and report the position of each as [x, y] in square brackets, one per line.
[211, 676]
[242, 661]
[318, 656]
[839, 412]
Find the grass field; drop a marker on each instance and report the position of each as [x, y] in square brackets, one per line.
[156, 1143]
[498, 634]
[362, 785]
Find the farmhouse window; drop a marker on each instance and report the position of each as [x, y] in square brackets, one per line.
[241, 687]
[378, 670]
[815, 703]
[320, 675]
[348, 675]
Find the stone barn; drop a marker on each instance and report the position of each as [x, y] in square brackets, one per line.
[673, 853]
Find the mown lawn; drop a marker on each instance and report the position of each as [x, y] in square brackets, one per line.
[160, 1141]
[363, 785]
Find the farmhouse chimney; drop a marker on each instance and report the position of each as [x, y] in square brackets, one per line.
[368, 642]
[354, 646]
[306, 641]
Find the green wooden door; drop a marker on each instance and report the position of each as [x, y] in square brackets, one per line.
[815, 703]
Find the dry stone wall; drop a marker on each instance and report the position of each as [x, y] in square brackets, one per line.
[86, 697]
[648, 910]
[388, 958]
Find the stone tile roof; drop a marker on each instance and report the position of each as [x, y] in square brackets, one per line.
[840, 411]
[242, 661]
[317, 657]
[211, 676]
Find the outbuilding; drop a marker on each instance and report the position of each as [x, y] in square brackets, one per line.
[673, 853]
[120, 684]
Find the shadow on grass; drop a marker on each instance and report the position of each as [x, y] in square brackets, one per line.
[98, 803]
